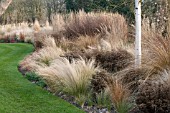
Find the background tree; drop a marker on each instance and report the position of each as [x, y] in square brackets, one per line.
[29, 10]
[125, 7]
[4, 5]
[75, 5]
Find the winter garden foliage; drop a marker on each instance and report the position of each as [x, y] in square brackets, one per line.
[88, 59]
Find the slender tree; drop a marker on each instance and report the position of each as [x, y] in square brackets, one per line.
[138, 52]
[4, 5]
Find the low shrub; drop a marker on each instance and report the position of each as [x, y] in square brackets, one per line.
[115, 60]
[132, 76]
[31, 76]
[111, 61]
[154, 98]
[99, 81]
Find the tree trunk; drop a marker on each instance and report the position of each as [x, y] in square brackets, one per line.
[4, 5]
[138, 33]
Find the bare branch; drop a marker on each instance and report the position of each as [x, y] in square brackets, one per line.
[4, 5]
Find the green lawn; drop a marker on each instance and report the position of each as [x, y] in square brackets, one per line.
[17, 94]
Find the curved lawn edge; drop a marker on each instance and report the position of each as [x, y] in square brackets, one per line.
[17, 94]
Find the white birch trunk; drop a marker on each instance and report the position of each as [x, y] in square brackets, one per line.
[4, 5]
[138, 33]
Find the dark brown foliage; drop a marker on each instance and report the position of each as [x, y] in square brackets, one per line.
[154, 98]
[111, 61]
[135, 110]
[21, 37]
[74, 55]
[81, 53]
[132, 77]
[99, 81]
[38, 44]
[38, 41]
[115, 60]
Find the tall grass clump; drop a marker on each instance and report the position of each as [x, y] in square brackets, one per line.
[92, 23]
[81, 43]
[81, 24]
[43, 40]
[87, 42]
[36, 26]
[148, 29]
[156, 51]
[102, 31]
[102, 99]
[120, 95]
[49, 42]
[159, 49]
[47, 54]
[72, 78]
[41, 58]
[58, 22]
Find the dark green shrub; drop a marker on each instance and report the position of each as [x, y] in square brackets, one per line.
[31, 76]
[2, 41]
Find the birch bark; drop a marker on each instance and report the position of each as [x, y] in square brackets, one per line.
[138, 33]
